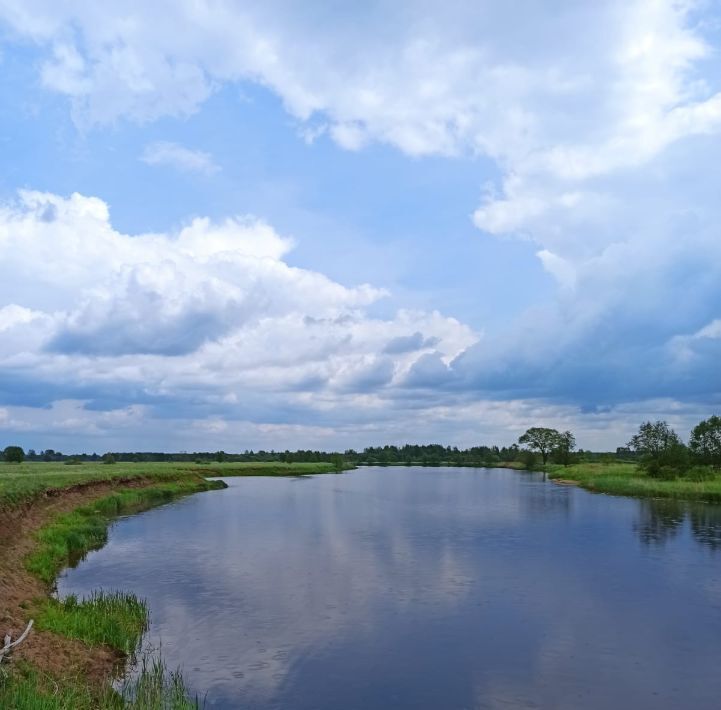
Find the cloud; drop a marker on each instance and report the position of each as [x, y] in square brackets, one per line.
[205, 321]
[409, 343]
[176, 156]
[605, 143]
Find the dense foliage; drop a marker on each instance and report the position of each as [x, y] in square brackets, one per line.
[705, 442]
[14, 454]
[662, 452]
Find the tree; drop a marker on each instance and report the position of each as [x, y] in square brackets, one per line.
[566, 444]
[705, 441]
[661, 449]
[109, 458]
[14, 454]
[528, 459]
[542, 440]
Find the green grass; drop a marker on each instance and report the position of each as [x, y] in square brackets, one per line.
[115, 619]
[153, 688]
[25, 689]
[265, 469]
[25, 482]
[627, 479]
[157, 688]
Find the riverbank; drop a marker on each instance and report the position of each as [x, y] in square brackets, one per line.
[21, 484]
[53, 514]
[627, 479]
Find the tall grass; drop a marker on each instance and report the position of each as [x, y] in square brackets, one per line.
[154, 687]
[157, 688]
[25, 689]
[628, 479]
[115, 619]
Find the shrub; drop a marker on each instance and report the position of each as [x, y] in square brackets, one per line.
[14, 454]
[700, 474]
[705, 442]
[528, 458]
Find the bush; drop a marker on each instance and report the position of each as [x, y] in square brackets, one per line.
[108, 458]
[14, 454]
[700, 474]
[528, 459]
[705, 442]
[667, 464]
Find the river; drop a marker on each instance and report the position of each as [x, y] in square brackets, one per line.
[425, 588]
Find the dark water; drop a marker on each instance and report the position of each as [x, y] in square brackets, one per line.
[426, 589]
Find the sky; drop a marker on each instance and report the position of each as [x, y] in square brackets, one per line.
[281, 224]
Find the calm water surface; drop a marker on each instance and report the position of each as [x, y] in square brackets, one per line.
[426, 588]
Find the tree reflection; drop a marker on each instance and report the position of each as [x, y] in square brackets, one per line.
[706, 525]
[660, 521]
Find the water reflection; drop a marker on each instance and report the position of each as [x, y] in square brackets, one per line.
[660, 521]
[706, 525]
[425, 588]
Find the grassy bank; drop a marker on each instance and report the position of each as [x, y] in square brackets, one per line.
[70, 536]
[25, 482]
[114, 620]
[627, 479]
[266, 469]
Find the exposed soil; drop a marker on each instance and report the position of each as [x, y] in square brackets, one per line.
[18, 588]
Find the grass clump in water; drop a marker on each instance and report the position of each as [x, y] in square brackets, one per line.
[157, 688]
[115, 619]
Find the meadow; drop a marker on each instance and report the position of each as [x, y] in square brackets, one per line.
[24, 482]
[628, 479]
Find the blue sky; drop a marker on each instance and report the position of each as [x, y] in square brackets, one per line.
[240, 225]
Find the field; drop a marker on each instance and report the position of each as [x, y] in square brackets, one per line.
[21, 483]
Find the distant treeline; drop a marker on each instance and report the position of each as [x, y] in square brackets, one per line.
[656, 447]
[409, 454]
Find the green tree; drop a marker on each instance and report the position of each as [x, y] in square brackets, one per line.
[109, 458]
[564, 450]
[14, 454]
[542, 440]
[663, 454]
[705, 441]
[528, 459]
